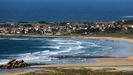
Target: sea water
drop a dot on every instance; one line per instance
(39, 50)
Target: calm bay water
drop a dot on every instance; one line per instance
(38, 50)
(64, 10)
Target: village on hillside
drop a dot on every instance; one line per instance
(66, 28)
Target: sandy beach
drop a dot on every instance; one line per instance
(120, 64)
(112, 38)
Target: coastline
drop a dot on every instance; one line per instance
(121, 64)
(122, 38)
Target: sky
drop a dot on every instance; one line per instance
(43, 9)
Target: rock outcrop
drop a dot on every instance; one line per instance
(14, 64)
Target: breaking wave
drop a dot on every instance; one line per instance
(39, 51)
(127, 16)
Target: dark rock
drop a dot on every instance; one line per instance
(12, 61)
(14, 64)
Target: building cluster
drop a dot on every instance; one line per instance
(57, 29)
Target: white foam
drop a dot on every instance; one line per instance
(42, 56)
(54, 47)
(35, 57)
(19, 39)
(4, 61)
(78, 52)
(64, 51)
(69, 43)
(93, 44)
(60, 40)
(55, 52)
(66, 43)
(2, 38)
(78, 47)
(46, 51)
(25, 54)
(35, 53)
(70, 49)
(128, 16)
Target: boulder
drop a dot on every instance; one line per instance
(12, 61)
(15, 64)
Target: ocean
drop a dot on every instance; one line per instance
(39, 50)
(65, 10)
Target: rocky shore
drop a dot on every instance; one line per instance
(15, 64)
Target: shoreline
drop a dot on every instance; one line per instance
(117, 62)
(79, 36)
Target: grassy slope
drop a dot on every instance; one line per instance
(60, 71)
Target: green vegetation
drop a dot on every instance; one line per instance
(82, 71)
